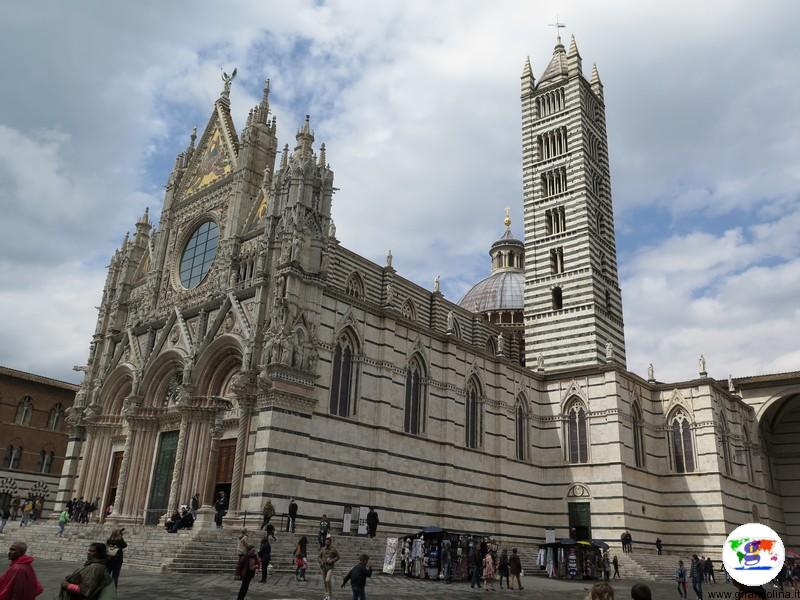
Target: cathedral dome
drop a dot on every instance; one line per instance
(503, 290)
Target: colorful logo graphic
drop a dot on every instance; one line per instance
(753, 554)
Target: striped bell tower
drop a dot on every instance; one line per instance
(573, 304)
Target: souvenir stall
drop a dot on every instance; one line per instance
(421, 553)
(568, 559)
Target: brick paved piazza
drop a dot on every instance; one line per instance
(139, 585)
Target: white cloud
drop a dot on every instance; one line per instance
(419, 105)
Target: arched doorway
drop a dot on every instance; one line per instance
(780, 426)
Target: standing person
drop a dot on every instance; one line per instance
(5, 515)
(515, 568)
(623, 539)
(709, 566)
(19, 581)
(15, 508)
(247, 566)
(265, 556)
(26, 513)
(641, 592)
(680, 577)
(328, 557)
(243, 543)
(220, 508)
(63, 517)
(92, 579)
(488, 571)
(658, 545)
(447, 562)
(290, 523)
(475, 565)
(630, 541)
(194, 505)
(372, 522)
(358, 578)
(267, 514)
(116, 545)
(300, 558)
(615, 562)
(324, 528)
(696, 575)
(606, 566)
(503, 568)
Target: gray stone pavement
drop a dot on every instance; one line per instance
(282, 586)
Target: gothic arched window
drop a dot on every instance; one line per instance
(55, 417)
(576, 424)
(637, 424)
(46, 461)
(343, 377)
(408, 311)
(355, 286)
(24, 411)
(491, 346)
(521, 423)
(14, 457)
(474, 415)
(681, 444)
(414, 415)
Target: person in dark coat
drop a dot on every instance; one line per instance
(372, 522)
(475, 561)
(265, 556)
(116, 544)
(290, 524)
(92, 580)
(358, 578)
(658, 545)
(515, 568)
(220, 508)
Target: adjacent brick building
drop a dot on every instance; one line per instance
(33, 434)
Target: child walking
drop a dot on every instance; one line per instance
(358, 578)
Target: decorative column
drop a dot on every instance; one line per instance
(177, 470)
(66, 484)
(239, 457)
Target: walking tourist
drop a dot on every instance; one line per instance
(265, 556)
(247, 567)
(5, 515)
(301, 559)
(615, 562)
(327, 560)
(515, 568)
(243, 544)
(27, 509)
(19, 581)
(696, 575)
(15, 508)
(116, 545)
(475, 563)
(290, 523)
(680, 577)
(372, 522)
(503, 569)
(447, 562)
(358, 578)
(658, 545)
(63, 517)
(92, 580)
(488, 571)
(220, 508)
(324, 528)
(194, 505)
(267, 514)
(606, 566)
(641, 592)
(601, 591)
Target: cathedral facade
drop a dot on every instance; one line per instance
(241, 347)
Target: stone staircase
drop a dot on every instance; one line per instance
(207, 551)
(657, 567)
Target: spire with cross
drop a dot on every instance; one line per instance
(558, 25)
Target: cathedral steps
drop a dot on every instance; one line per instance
(656, 567)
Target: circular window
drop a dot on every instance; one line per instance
(199, 254)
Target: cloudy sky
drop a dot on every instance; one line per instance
(418, 103)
